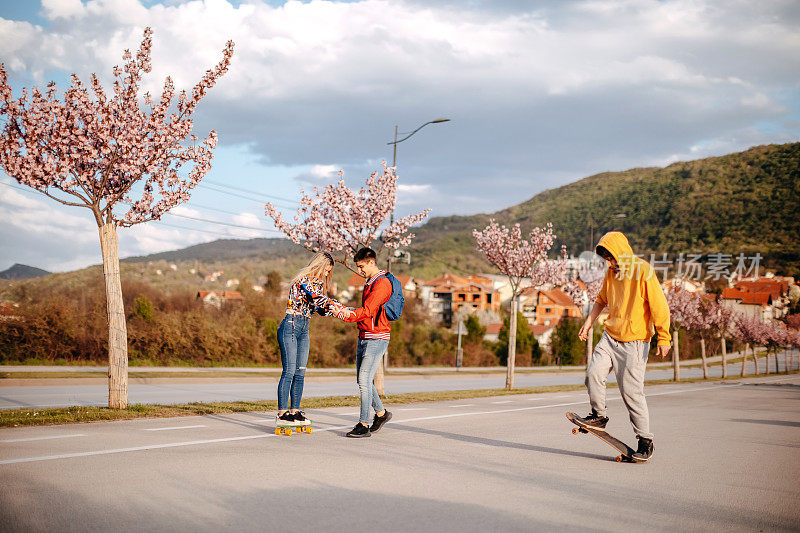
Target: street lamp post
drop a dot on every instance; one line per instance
(379, 375)
(591, 226)
(394, 164)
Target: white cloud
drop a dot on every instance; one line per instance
(319, 175)
(537, 95)
(186, 211)
(413, 189)
(55, 9)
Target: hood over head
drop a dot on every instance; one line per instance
(617, 243)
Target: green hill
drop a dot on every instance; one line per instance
(743, 202)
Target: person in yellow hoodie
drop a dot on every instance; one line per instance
(637, 309)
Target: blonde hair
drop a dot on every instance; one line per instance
(316, 270)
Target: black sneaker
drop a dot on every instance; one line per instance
(359, 431)
(300, 418)
(593, 421)
(645, 450)
(379, 421)
(286, 418)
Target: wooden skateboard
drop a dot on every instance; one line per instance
(625, 451)
(289, 429)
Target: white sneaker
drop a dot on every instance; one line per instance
(286, 419)
(300, 419)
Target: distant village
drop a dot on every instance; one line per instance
(450, 298)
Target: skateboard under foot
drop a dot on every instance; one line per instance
(625, 451)
(286, 429)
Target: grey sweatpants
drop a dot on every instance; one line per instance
(628, 360)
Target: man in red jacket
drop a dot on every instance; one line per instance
(373, 339)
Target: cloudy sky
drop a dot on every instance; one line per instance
(539, 94)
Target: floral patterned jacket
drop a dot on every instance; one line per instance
(302, 303)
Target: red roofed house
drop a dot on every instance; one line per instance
(542, 333)
(492, 332)
(763, 298)
(547, 307)
(217, 298)
(449, 293)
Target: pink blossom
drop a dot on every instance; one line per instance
(338, 219)
(519, 258)
(90, 150)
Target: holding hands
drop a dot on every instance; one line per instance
(340, 311)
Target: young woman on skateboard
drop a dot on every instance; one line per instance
(637, 309)
(307, 295)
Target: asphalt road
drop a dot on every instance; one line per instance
(183, 390)
(726, 458)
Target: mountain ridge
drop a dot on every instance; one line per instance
(744, 202)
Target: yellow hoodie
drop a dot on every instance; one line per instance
(637, 307)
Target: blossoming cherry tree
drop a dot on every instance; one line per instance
(122, 160)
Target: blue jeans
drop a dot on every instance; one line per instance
(368, 357)
(293, 341)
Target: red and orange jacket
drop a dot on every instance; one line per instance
(371, 318)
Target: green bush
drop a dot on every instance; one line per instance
(565, 345)
(143, 308)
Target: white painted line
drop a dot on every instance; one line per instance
(413, 409)
(463, 405)
(504, 401)
(29, 439)
(419, 419)
(175, 427)
(151, 447)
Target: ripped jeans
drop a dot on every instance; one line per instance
(293, 341)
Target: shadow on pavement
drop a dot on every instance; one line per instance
(196, 506)
(788, 423)
(498, 443)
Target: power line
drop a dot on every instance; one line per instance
(24, 189)
(217, 188)
(237, 195)
(257, 193)
(223, 223)
(212, 232)
(214, 209)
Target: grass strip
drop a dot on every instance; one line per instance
(343, 372)
(69, 415)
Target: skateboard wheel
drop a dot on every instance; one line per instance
(309, 429)
(575, 431)
(289, 431)
(277, 431)
(619, 458)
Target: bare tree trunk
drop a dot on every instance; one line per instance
(703, 356)
(755, 360)
(676, 366)
(744, 358)
(378, 380)
(512, 343)
(775, 356)
(724, 358)
(117, 329)
(767, 359)
(589, 347)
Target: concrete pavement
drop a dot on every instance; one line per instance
(726, 458)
